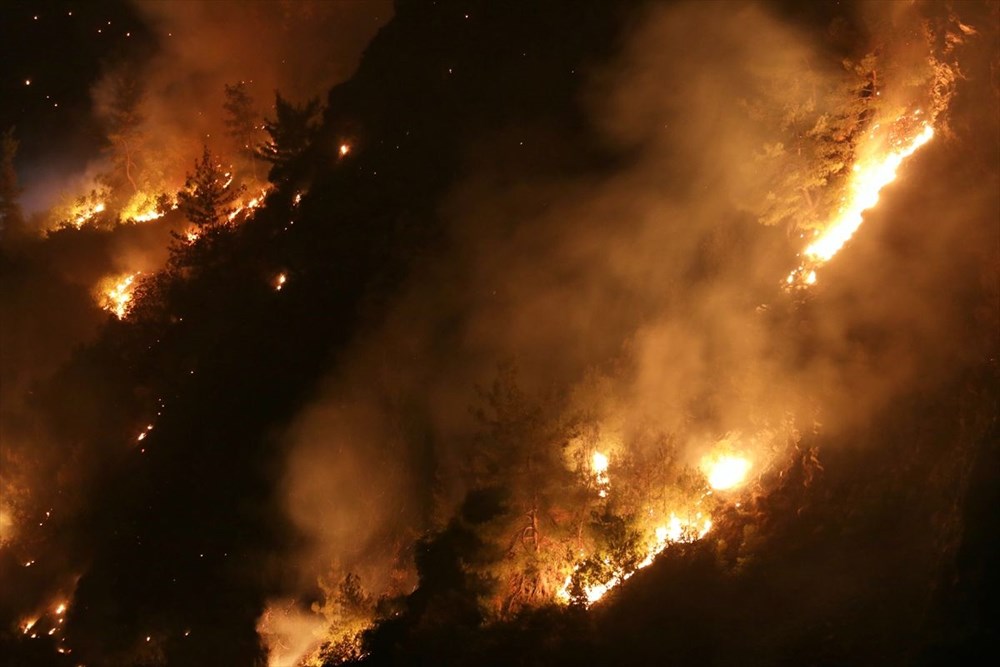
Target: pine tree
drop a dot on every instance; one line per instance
(290, 134)
(208, 195)
(815, 138)
(11, 217)
(241, 122)
(122, 113)
(520, 457)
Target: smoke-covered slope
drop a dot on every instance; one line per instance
(516, 188)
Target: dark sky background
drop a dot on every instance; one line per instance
(187, 51)
(60, 47)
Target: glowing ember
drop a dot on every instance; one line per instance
(61, 609)
(280, 281)
(116, 294)
(725, 472)
(344, 149)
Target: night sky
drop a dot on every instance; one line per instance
(59, 47)
(493, 333)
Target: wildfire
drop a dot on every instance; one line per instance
(594, 574)
(48, 622)
(249, 205)
(675, 531)
(867, 183)
(599, 464)
(726, 471)
(83, 214)
(679, 530)
(143, 207)
(868, 178)
(147, 216)
(116, 293)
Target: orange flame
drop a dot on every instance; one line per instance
(868, 178)
(115, 294)
(866, 184)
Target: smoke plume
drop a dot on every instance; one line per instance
(651, 292)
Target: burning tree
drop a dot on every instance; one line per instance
(813, 128)
(349, 610)
(209, 194)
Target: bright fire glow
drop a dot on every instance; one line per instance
(143, 207)
(83, 214)
(725, 472)
(280, 281)
(246, 207)
(146, 216)
(599, 464)
(675, 531)
(116, 293)
(344, 149)
(868, 178)
(867, 182)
